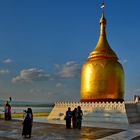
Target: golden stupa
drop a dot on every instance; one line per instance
(102, 76)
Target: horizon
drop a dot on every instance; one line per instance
(44, 44)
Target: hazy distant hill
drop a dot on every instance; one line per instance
(24, 103)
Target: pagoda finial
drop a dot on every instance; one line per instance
(103, 6)
(102, 19)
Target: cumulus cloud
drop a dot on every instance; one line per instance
(7, 61)
(3, 72)
(69, 70)
(31, 74)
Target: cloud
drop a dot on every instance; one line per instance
(71, 69)
(125, 61)
(3, 72)
(7, 61)
(30, 75)
(36, 91)
(59, 85)
(137, 90)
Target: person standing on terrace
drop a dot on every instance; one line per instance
(27, 124)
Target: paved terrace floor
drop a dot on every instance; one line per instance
(11, 130)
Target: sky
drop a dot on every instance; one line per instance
(43, 45)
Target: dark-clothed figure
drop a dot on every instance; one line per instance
(74, 118)
(27, 124)
(68, 118)
(79, 115)
(7, 111)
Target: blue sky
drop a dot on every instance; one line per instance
(43, 45)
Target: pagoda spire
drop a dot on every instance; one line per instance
(102, 49)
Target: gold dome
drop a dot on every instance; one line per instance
(102, 76)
